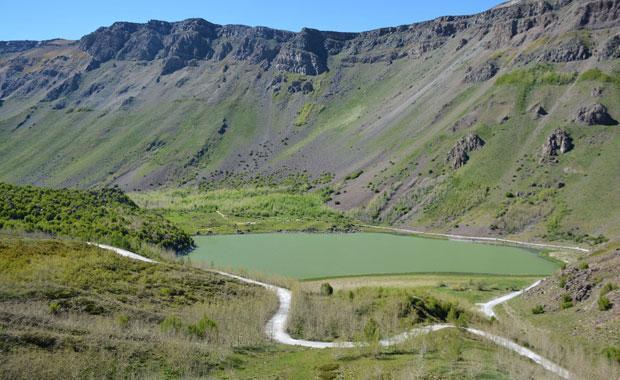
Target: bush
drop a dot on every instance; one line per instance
(598, 76)
(608, 288)
(612, 353)
(354, 175)
(326, 289)
(538, 309)
(603, 303)
(202, 328)
(122, 320)
(563, 280)
(583, 266)
(371, 330)
(171, 324)
(54, 307)
(566, 302)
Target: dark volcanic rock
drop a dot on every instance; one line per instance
(67, 87)
(172, 64)
(596, 114)
(598, 13)
(300, 86)
(568, 51)
(559, 142)
(458, 155)
(482, 72)
(537, 111)
(611, 50)
(579, 282)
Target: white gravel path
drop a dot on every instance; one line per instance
(276, 326)
(478, 238)
(487, 307)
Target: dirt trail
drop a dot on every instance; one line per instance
(481, 239)
(276, 326)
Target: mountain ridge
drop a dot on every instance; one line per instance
(160, 104)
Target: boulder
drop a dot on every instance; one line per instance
(596, 114)
(558, 142)
(459, 154)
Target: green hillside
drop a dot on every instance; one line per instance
(104, 216)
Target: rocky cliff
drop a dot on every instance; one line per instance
(193, 103)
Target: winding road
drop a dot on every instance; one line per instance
(276, 326)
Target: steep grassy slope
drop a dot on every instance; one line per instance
(106, 215)
(577, 309)
(206, 105)
(505, 187)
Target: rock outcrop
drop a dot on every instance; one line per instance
(611, 50)
(596, 114)
(481, 73)
(537, 111)
(568, 51)
(459, 154)
(558, 142)
(465, 122)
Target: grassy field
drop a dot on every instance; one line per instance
(445, 355)
(264, 209)
(307, 256)
(464, 289)
(71, 310)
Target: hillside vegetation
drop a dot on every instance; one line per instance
(69, 310)
(448, 125)
(249, 209)
(105, 215)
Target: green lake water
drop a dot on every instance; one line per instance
(305, 256)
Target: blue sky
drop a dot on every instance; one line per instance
(38, 19)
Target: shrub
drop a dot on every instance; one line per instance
(202, 328)
(563, 280)
(171, 324)
(583, 266)
(122, 320)
(608, 288)
(54, 307)
(603, 303)
(597, 75)
(538, 309)
(566, 302)
(354, 175)
(612, 353)
(326, 289)
(371, 330)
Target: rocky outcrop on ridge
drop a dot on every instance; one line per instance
(458, 155)
(595, 114)
(558, 142)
